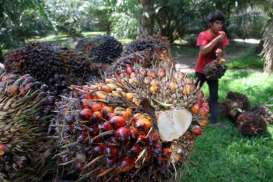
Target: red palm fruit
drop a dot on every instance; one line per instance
(96, 106)
(129, 69)
(106, 89)
(3, 149)
(118, 121)
(126, 164)
(86, 114)
(122, 135)
(111, 152)
(161, 72)
(196, 130)
(106, 126)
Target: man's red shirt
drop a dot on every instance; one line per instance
(203, 39)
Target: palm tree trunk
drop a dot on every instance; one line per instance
(146, 18)
(267, 51)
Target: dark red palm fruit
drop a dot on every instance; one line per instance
(110, 162)
(96, 117)
(99, 149)
(86, 114)
(126, 165)
(106, 110)
(135, 150)
(196, 130)
(157, 150)
(167, 152)
(143, 124)
(154, 138)
(141, 140)
(134, 133)
(94, 130)
(162, 160)
(111, 152)
(122, 135)
(78, 165)
(106, 126)
(117, 121)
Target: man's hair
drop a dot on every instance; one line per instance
(216, 15)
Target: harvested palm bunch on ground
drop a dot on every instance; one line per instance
(52, 65)
(101, 49)
(147, 58)
(147, 42)
(25, 113)
(264, 112)
(251, 124)
(138, 125)
(234, 104)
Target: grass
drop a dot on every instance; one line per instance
(223, 154)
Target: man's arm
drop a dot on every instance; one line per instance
(207, 48)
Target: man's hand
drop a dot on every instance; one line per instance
(221, 37)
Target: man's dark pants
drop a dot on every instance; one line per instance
(213, 95)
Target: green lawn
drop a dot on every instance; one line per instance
(223, 154)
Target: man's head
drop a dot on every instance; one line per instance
(216, 20)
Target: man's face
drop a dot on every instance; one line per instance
(217, 26)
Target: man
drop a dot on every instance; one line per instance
(211, 41)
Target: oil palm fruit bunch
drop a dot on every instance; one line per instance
(25, 112)
(147, 42)
(251, 124)
(138, 124)
(235, 103)
(52, 65)
(101, 49)
(147, 58)
(215, 69)
(264, 112)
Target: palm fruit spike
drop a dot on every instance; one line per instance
(113, 128)
(101, 49)
(146, 43)
(55, 66)
(25, 110)
(264, 112)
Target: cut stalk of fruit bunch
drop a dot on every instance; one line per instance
(137, 129)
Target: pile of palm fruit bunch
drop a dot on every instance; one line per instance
(55, 66)
(215, 69)
(147, 42)
(138, 124)
(250, 122)
(101, 49)
(25, 113)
